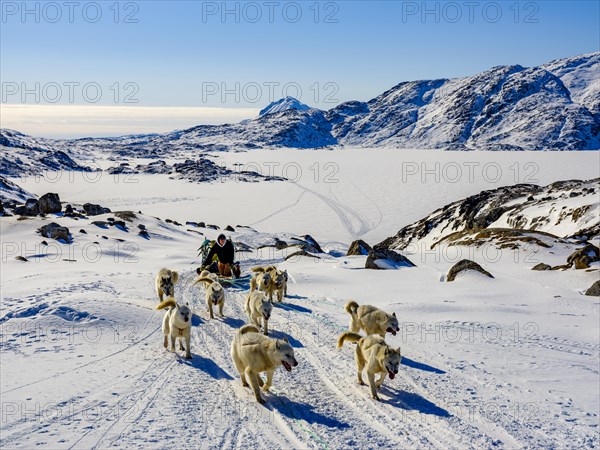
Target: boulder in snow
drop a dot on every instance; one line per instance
(594, 289)
(464, 265)
(359, 247)
(55, 231)
(92, 209)
(49, 203)
(386, 259)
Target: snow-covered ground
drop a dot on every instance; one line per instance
(339, 195)
(509, 362)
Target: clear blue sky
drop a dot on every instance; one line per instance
(175, 47)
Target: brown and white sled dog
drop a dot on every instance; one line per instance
(376, 356)
(215, 295)
(261, 280)
(177, 324)
(253, 353)
(165, 283)
(372, 320)
(276, 282)
(258, 308)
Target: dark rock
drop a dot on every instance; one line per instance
(144, 234)
(21, 258)
(280, 245)
(301, 253)
(55, 231)
(82, 231)
(100, 223)
(359, 247)
(229, 228)
(44, 243)
(386, 259)
(541, 266)
(141, 226)
(594, 289)
(49, 203)
(128, 216)
(464, 265)
(212, 227)
(111, 219)
(68, 210)
(92, 209)
(201, 225)
(583, 257)
(120, 224)
(29, 209)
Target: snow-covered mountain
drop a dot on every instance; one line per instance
(283, 105)
(565, 209)
(552, 107)
(22, 155)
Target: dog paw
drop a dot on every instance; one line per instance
(188, 356)
(261, 401)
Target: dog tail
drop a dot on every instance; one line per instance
(248, 329)
(270, 268)
(351, 307)
(258, 269)
(168, 303)
(253, 284)
(174, 276)
(205, 280)
(348, 336)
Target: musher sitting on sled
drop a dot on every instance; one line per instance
(224, 251)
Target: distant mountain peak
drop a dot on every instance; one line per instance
(284, 104)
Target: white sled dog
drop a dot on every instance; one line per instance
(261, 280)
(207, 274)
(373, 353)
(277, 281)
(177, 324)
(372, 320)
(215, 295)
(258, 308)
(253, 353)
(165, 283)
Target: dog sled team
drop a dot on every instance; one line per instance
(252, 350)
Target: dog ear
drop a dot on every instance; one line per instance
(187, 303)
(277, 345)
(286, 339)
(394, 314)
(398, 351)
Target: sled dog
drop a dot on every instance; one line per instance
(177, 324)
(276, 282)
(165, 283)
(371, 319)
(261, 280)
(253, 353)
(215, 295)
(258, 308)
(375, 355)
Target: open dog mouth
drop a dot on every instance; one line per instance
(266, 316)
(287, 366)
(391, 330)
(392, 373)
